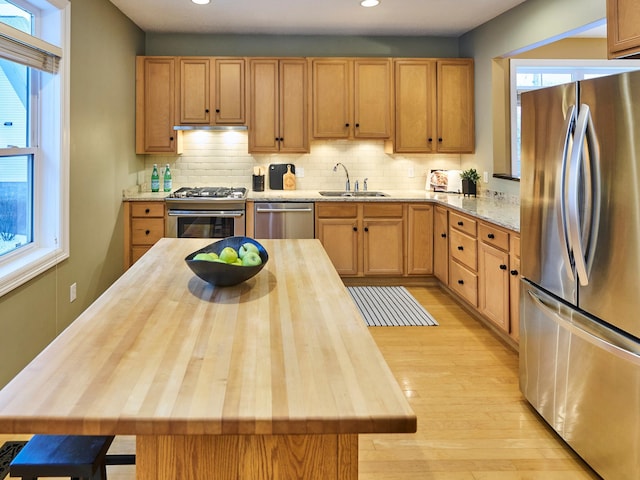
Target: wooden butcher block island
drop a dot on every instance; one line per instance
(270, 379)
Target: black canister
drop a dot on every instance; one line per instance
(258, 183)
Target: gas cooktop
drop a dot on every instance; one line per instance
(210, 193)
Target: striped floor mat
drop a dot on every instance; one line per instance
(390, 307)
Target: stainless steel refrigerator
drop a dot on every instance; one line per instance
(580, 231)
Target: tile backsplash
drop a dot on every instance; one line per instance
(221, 158)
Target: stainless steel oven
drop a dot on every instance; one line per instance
(206, 212)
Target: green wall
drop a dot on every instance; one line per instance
(104, 44)
(532, 23)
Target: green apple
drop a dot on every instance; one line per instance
(251, 259)
(228, 254)
(238, 262)
(207, 256)
(246, 248)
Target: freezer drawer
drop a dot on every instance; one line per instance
(584, 379)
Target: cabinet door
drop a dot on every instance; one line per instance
(415, 100)
(155, 100)
(420, 239)
(493, 285)
(263, 106)
(383, 246)
(514, 298)
(229, 90)
(441, 245)
(623, 27)
(339, 237)
(194, 91)
(372, 98)
(294, 115)
(332, 102)
(455, 117)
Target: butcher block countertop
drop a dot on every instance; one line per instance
(163, 353)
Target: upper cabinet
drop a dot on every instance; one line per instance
(155, 105)
(277, 106)
(351, 98)
(623, 28)
(212, 91)
(434, 106)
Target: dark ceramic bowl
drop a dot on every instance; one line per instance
(222, 274)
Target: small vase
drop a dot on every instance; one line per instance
(468, 188)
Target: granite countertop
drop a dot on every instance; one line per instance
(500, 212)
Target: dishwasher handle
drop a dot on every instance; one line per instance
(283, 210)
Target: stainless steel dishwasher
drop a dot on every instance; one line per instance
(284, 220)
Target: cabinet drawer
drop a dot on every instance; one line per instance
(464, 224)
(146, 231)
(464, 282)
(463, 248)
(386, 210)
(147, 209)
(514, 249)
(493, 236)
(336, 210)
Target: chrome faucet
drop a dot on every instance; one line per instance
(348, 184)
(364, 186)
(356, 187)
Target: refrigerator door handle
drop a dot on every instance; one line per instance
(600, 337)
(573, 223)
(564, 192)
(593, 182)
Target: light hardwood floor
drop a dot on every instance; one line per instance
(473, 423)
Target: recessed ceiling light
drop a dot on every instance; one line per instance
(201, 2)
(369, 3)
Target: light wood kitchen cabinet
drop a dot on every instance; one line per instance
(351, 98)
(434, 106)
(419, 239)
(623, 28)
(212, 91)
(278, 113)
(514, 287)
(155, 106)
(463, 257)
(362, 239)
(337, 229)
(441, 244)
(493, 285)
(143, 227)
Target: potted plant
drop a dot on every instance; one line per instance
(470, 178)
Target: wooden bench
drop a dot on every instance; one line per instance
(80, 457)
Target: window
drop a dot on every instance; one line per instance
(533, 74)
(33, 142)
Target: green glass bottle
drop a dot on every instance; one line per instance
(167, 179)
(155, 179)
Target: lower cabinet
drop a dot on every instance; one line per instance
(363, 238)
(441, 244)
(420, 239)
(143, 227)
(514, 286)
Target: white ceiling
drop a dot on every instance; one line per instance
(442, 18)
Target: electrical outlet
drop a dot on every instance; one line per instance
(72, 292)
(300, 172)
(485, 177)
(412, 172)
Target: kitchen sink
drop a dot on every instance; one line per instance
(332, 193)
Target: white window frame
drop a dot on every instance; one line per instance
(577, 67)
(50, 244)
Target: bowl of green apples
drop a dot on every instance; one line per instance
(229, 261)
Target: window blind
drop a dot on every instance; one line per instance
(25, 49)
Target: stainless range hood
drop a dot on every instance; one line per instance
(219, 128)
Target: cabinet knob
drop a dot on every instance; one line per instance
(355, 229)
(503, 267)
(217, 110)
(443, 235)
(281, 139)
(491, 235)
(366, 229)
(147, 232)
(357, 125)
(171, 138)
(206, 110)
(146, 210)
(460, 247)
(346, 125)
(461, 223)
(430, 139)
(514, 272)
(440, 140)
(461, 282)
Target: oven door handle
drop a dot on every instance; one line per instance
(206, 213)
